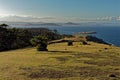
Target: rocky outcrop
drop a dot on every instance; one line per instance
(95, 39)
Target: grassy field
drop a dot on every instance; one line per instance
(62, 62)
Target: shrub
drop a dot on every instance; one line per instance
(70, 43)
(84, 43)
(40, 43)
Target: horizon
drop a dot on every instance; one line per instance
(76, 11)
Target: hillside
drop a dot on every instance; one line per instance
(62, 62)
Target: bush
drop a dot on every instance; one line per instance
(70, 43)
(40, 43)
(41, 48)
(84, 43)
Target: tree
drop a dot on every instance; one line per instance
(3, 37)
(12, 38)
(21, 38)
(4, 25)
(40, 43)
(55, 31)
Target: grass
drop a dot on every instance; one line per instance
(62, 62)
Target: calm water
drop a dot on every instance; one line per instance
(108, 34)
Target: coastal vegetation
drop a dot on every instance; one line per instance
(15, 38)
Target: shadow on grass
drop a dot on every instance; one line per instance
(63, 59)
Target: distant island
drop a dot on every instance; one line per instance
(42, 24)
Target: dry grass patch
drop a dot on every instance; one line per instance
(46, 73)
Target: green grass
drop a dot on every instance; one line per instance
(62, 62)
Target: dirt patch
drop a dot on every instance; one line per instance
(96, 72)
(71, 71)
(63, 59)
(89, 55)
(100, 59)
(91, 72)
(110, 59)
(48, 73)
(104, 63)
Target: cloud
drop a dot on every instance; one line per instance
(24, 18)
(29, 18)
(109, 18)
(106, 18)
(118, 18)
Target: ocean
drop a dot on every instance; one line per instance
(108, 34)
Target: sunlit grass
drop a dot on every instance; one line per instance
(61, 62)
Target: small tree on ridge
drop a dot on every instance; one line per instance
(40, 43)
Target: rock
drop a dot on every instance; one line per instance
(84, 43)
(105, 48)
(112, 75)
(95, 39)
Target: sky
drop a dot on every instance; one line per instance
(59, 10)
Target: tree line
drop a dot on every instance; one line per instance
(15, 38)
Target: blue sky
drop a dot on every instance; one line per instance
(64, 10)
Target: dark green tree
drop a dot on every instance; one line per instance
(3, 37)
(21, 38)
(55, 31)
(40, 43)
(12, 38)
(4, 25)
